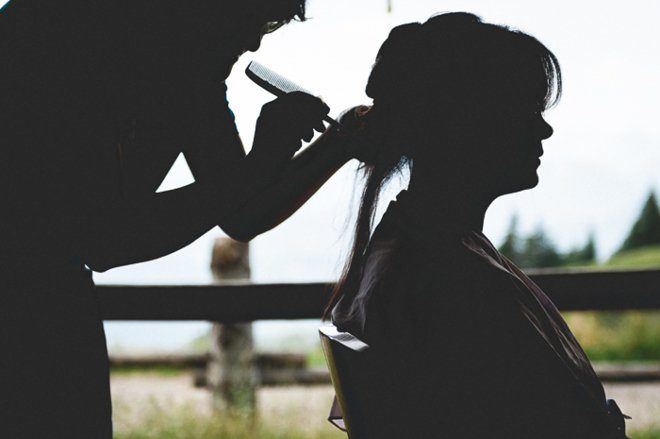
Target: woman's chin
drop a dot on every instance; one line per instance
(532, 181)
(530, 178)
(524, 182)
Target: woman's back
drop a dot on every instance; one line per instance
(476, 352)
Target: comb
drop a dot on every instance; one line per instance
(277, 84)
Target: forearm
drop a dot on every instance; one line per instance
(267, 202)
(148, 228)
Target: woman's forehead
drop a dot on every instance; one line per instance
(525, 83)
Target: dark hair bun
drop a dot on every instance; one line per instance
(406, 49)
(393, 59)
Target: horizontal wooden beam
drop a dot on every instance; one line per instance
(263, 360)
(627, 371)
(244, 301)
(174, 360)
(591, 290)
(286, 369)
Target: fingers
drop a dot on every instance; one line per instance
(288, 119)
(320, 127)
(303, 110)
(308, 135)
(298, 101)
(312, 103)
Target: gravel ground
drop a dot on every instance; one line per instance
(307, 406)
(134, 395)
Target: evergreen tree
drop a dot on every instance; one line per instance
(511, 245)
(646, 230)
(539, 252)
(588, 253)
(582, 255)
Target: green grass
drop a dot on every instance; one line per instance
(644, 257)
(617, 336)
(645, 434)
(185, 423)
(621, 336)
(315, 357)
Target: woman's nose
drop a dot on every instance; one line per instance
(544, 128)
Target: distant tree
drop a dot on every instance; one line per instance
(511, 245)
(646, 230)
(582, 255)
(539, 252)
(588, 253)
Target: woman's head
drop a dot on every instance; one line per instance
(460, 94)
(460, 102)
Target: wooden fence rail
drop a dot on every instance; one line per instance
(288, 369)
(231, 373)
(245, 301)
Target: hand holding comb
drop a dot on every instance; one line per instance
(277, 84)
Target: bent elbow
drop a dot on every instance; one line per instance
(238, 231)
(99, 263)
(96, 266)
(240, 236)
(102, 258)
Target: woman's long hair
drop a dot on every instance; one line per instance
(451, 61)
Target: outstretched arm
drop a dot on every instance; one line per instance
(277, 188)
(231, 189)
(152, 227)
(277, 185)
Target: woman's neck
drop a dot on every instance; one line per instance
(450, 203)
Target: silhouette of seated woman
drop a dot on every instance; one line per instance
(469, 346)
(98, 100)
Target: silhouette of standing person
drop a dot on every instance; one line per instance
(464, 344)
(98, 100)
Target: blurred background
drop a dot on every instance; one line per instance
(594, 206)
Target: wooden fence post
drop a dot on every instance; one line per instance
(231, 372)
